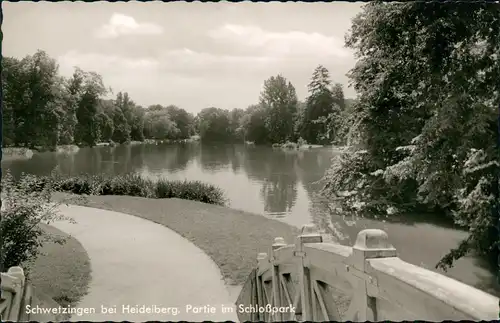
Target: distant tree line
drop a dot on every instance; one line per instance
(44, 109)
(279, 116)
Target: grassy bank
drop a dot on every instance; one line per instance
(132, 185)
(230, 237)
(62, 271)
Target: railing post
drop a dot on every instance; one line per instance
(261, 259)
(309, 234)
(370, 243)
(277, 294)
(15, 307)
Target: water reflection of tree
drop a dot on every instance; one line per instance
(214, 157)
(39, 164)
(107, 160)
(311, 167)
(238, 157)
(275, 170)
(171, 158)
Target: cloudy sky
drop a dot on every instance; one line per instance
(193, 55)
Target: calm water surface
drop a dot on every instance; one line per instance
(279, 184)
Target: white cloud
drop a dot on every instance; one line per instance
(279, 44)
(120, 24)
(104, 64)
(179, 61)
(186, 60)
(172, 77)
(223, 80)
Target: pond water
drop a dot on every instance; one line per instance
(276, 183)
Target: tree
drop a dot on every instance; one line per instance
(32, 100)
(279, 98)
(349, 123)
(428, 81)
(214, 125)
(300, 118)
(236, 130)
(183, 121)
(253, 124)
(105, 123)
(322, 108)
(157, 125)
(318, 104)
(121, 131)
(23, 210)
(69, 105)
(43, 110)
(137, 123)
(338, 96)
(14, 87)
(87, 87)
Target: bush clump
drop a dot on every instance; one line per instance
(26, 204)
(194, 190)
(132, 185)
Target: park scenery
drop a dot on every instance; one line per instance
(250, 161)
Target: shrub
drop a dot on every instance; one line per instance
(25, 204)
(131, 185)
(196, 191)
(75, 185)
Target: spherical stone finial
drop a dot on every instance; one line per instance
(279, 240)
(15, 270)
(373, 239)
(278, 243)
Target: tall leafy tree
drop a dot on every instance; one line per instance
(183, 121)
(32, 98)
(235, 128)
(253, 125)
(105, 123)
(158, 125)
(88, 87)
(14, 100)
(428, 76)
(69, 120)
(214, 125)
(322, 109)
(279, 98)
(137, 123)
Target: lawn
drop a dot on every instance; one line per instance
(230, 237)
(61, 272)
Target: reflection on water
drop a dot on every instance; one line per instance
(256, 179)
(280, 184)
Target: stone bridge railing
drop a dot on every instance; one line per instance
(316, 281)
(19, 298)
(16, 294)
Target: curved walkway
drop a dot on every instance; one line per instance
(137, 263)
